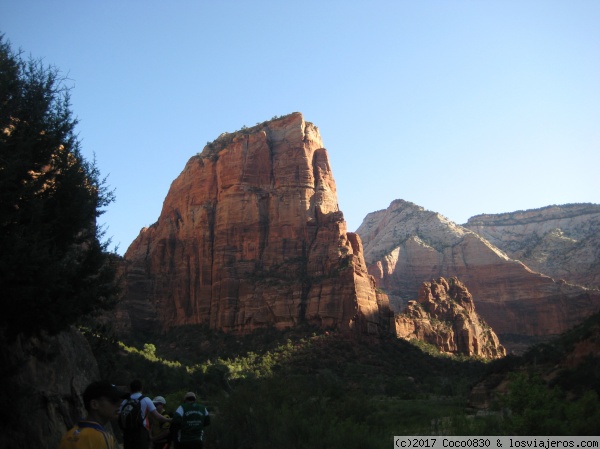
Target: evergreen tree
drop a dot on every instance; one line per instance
(54, 267)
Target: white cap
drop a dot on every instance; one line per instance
(189, 395)
(159, 400)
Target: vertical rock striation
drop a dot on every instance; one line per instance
(250, 235)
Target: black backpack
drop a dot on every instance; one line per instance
(130, 416)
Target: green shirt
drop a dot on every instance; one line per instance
(189, 421)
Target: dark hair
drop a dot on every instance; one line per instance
(135, 385)
(100, 389)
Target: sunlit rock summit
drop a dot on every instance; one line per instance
(250, 235)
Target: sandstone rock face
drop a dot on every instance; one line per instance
(562, 242)
(444, 316)
(43, 380)
(250, 235)
(406, 245)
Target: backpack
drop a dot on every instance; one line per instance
(130, 416)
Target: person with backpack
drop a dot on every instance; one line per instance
(134, 418)
(189, 420)
(101, 400)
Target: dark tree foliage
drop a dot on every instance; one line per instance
(54, 267)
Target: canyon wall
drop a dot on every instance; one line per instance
(249, 236)
(562, 242)
(42, 382)
(406, 245)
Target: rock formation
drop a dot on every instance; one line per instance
(562, 242)
(444, 316)
(42, 383)
(250, 235)
(406, 245)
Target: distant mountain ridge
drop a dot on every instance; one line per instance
(406, 245)
(560, 241)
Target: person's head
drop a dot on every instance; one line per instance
(102, 400)
(135, 386)
(159, 403)
(190, 396)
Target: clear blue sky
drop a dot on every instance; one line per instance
(462, 107)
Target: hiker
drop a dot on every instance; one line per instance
(159, 432)
(101, 400)
(136, 425)
(188, 424)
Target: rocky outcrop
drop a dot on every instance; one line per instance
(406, 245)
(43, 379)
(249, 236)
(562, 242)
(444, 316)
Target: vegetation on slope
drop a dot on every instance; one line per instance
(299, 388)
(308, 388)
(554, 388)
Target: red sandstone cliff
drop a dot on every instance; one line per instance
(444, 316)
(250, 235)
(406, 245)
